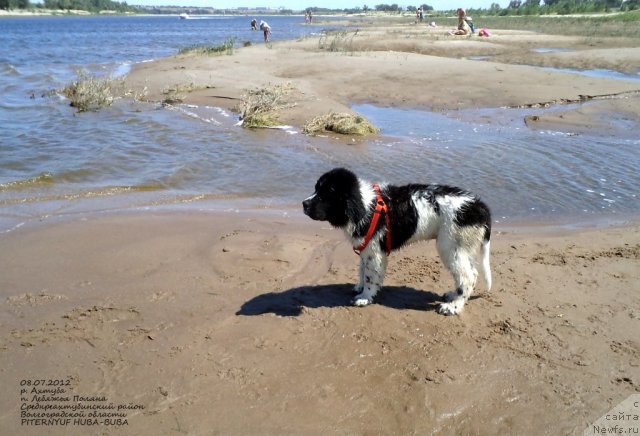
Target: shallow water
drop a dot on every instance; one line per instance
(597, 72)
(550, 50)
(520, 172)
(54, 162)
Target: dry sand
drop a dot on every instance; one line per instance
(226, 323)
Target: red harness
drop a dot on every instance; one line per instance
(381, 208)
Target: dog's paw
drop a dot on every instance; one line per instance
(452, 308)
(361, 300)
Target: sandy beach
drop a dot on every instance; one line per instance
(233, 324)
(239, 323)
(411, 66)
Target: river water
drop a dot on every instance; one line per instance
(55, 162)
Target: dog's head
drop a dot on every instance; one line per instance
(336, 197)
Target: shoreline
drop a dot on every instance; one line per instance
(255, 208)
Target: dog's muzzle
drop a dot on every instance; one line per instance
(306, 207)
(311, 209)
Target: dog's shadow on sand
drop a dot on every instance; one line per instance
(291, 302)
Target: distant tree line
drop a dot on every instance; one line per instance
(516, 7)
(424, 7)
(519, 7)
(14, 4)
(395, 8)
(193, 10)
(380, 8)
(89, 5)
(558, 7)
(82, 5)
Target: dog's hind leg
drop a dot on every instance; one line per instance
(373, 267)
(485, 264)
(458, 262)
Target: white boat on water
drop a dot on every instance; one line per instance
(183, 16)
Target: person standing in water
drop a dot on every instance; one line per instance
(266, 30)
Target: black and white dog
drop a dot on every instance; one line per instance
(380, 218)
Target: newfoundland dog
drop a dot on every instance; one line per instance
(378, 219)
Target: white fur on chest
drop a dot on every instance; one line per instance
(368, 197)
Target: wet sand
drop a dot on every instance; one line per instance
(241, 324)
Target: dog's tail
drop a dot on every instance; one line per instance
(485, 267)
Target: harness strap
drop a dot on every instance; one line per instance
(381, 209)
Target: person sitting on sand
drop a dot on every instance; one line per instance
(254, 24)
(463, 26)
(265, 29)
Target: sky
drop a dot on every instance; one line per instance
(332, 4)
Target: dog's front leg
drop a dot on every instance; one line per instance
(373, 263)
(358, 288)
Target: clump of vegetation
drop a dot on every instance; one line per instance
(225, 48)
(91, 93)
(258, 107)
(137, 94)
(338, 41)
(94, 6)
(343, 123)
(176, 94)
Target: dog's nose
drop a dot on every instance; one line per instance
(305, 205)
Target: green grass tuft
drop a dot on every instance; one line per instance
(208, 50)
